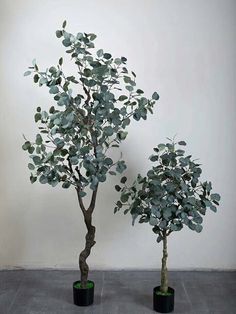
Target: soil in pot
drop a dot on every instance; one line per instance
(83, 296)
(163, 303)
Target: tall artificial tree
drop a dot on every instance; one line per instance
(91, 113)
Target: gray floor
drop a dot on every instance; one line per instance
(123, 292)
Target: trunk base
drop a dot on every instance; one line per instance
(163, 303)
(83, 296)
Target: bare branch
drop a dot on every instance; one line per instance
(81, 203)
(93, 200)
(72, 171)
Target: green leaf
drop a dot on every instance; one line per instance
(87, 72)
(52, 109)
(159, 239)
(108, 161)
(27, 73)
(161, 146)
(182, 143)
(36, 160)
(66, 185)
(173, 227)
(139, 91)
(108, 130)
(37, 117)
(127, 79)
(74, 160)
(26, 145)
(163, 224)
(54, 90)
(53, 70)
(167, 214)
(31, 149)
(107, 56)
(60, 61)
(33, 179)
(207, 203)
(122, 98)
(126, 122)
(126, 211)
(154, 158)
(31, 166)
(101, 177)
(137, 116)
(123, 180)
(39, 139)
(36, 78)
(82, 193)
(215, 197)
(213, 208)
(122, 135)
(42, 80)
(198, 228)
(64, 24)
(79, 36)
(117, 61)
(92, 36)
(113, 173)
(153, 221)
(121, 166)
(43, 179)
(66, 42)
(119, 204)
(117, 187)
(155, 96)
(59, 33)
(100, 53)
(129, 88)
(59, 142)
(124, 198)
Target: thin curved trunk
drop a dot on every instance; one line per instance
(164, 272)
(89, 238)
(90, 242)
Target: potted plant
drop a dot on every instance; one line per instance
(76, 135)
(168, 197)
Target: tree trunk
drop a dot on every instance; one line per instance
(90, 242)
(164, 274)
(89, 238)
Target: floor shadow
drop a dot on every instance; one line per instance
(145, 300)
(97, 299)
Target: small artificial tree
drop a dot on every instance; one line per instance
(168, 197)
(75, 137)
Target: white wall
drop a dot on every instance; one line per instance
(186, 51)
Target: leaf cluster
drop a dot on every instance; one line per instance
(171, 194)
(90, 115)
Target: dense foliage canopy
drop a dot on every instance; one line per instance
(89, 118)
(171, 194)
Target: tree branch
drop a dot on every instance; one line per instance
(87, 94)
(78, 188)
(72, 172)
(81, 203)
(93, 200)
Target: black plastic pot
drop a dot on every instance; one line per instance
(83, 297)
(163, 303)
